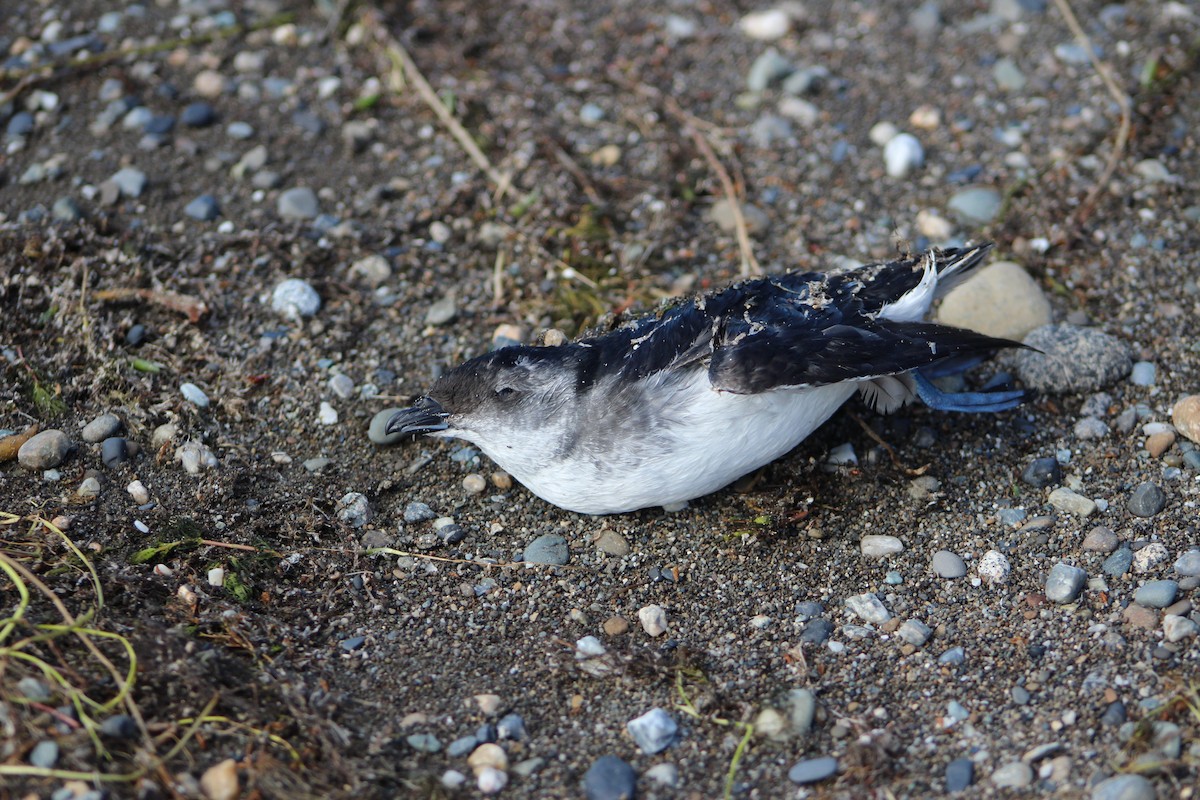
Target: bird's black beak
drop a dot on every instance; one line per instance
(424, 416)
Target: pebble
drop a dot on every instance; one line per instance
(462, 746)
(1064, 583)
(1014, 775)
(354, 509)
(239, 130)
(1177, 628)
(612, 543)
(664, 775)
(960, 773)
(1042, 472)
(326, 414)
(1188, 564)
(65, 209)
(868, 607)
(975, 206)
(549, 548)
(1147, 500)
(1156, 594)
(609, 778)
(1185, 416)
(1072, 359)
(615, 626)
(209, 83)
(1124, 787)
(113, 451)
(44, 450)
(994, 567)
(817, 631)
(653, 731)
(1072, 502)
(220, 781)
(89, 487)
(131, 182)
(880, 546)
(934, 226)
(1071, 53)
(1001, 299)
(1149, 557)
(418, 512)
(488, 754)
(813, 770)
(722, 214)
(770, 128)
(298, 203)
(377, 430)
(946, 564)
(1100, 540)
(194, 455)
(44, 754)
(1114, 715)
(902, 154)
(926, 19)
(490, 780)
(653, 619)
(1090, 428)
(804, 81)
(443, 311)
(767, 25)
(295, 298)
(1118, 563)
(194, 395)
(101, 428)
(120, 726)
(1159, 443)
(1008, 75)
(882, 132)
(914, 632)
(768, 68)
(198, 115)
(204, 208)
(474, 483)
(138, 491)
(1142, 374)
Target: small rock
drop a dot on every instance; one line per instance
(664, 775)
(612, 543)
(1118, 563)
(295, 298)
(194, 395)
(813, 770)
(902, 154)
(298, 203)
(975, 206)
(1185, 416)
(1042, 472)
(204, 208)
(138, 491)
(1100, 540)
(948, 565)
(1090, 428)
(1147, 500)
(1156, 594)
(377, 430)
(474, 483)
(374, 270)
(1177, 628)
(1008, 75)
(113, 451)
(1142, 374)
(488, 754)
(609, 778)
(615, 626)
(220, 781)
(868, 608)
(654, 731)
(326, 414)
(767, 25)
(44, 754)
(1159, 443)
(194, 456)
(768, 68)
(1072, 502)
(88, 488)
(490, 780)
(549, 548)
(1124, 787)
(934, 226)
(198, 115)
(1188, 564)
(1064, 583)
(1014, 775)
(418, 512)
(722, 214)
(960, 773)
(101, 428)
(1071, 359)
(120, 726)
(999, 300)
(955, 655)
(880, 546)
(994, 567)
(1149, 557)
(44, 450)
(131, 182)
(443, 311)
(354, 509)
(882, 132)
(654, 619)
(914, 632)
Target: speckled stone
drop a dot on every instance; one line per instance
(1070, 359)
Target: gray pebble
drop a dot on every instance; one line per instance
(1124, 787)
(812, 770)
(1156, 594)
(239, 130)
(948, 565)
(377, 430)
(915, 632)
(295, 298)
(809, 609)
(805, 80)
(131, 182)
(1064, 583)
(423, 742)
(19, 125)
(766, 69)
(194, 395)
(960, 773)
(549, 548)
(1142, 374)
(418, 512)
(101, 428)
(868, 608)
(1020, 695)
(1100, 540)
(354, 509)
(817, 631)
(1071, 53)
(926, 20)
(802, 705)
(114, 451)
(1043, 472)
(298, 203)
(609, 778)
(511, 726)
(653, 731)
(1118, 563)
(1146, 500)
(1072, 359)
(1008, 75)
(65, 209)
(975, 206)
(342, 385)
(44, 450)
(462, 746)
(1014, 775)
(120, 726)
(442, 311)
(198, 115)
(33, 689)
(1189, 563)
(44, 754)
(204, 208)
(353, 643)
(1114, 715)
(1090, 428)
(1072, 502)
(955, 655)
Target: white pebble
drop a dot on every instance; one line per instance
(882, 133)
(994, 567)
(474, 483)
(216, 576)
(765, 26)
(295, 298)
(902, 154)
(880, 546)
(163, 570)
(89, 487)
(1150, 557)
(141, 526)
(138, 491)
(491, 780)
(327, 415)
(933, 225)
(194, 394)
(654, 619)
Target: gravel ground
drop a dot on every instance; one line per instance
(246, 242)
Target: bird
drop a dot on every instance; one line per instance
(678, 404)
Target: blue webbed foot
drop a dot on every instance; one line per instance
(971, 402)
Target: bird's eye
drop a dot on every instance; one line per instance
(506, 393)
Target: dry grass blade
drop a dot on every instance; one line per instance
(190, 307)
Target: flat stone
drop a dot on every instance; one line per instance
(960, 773)
(1188, 564)
(1100, 540)
(549, 548)
(653, 731)
(975, 206)
(1124, 787)
(1072, 502)
(298, 203)
(612, 543)
(1042, 472)
(1156, 594)
(1000, 300)
(44, 450)
(880, 546)
(101, 428)
(131, 182)
(609, 778)
(813, 770)
(1014, 775)
(1139, 616)
(1146, 500)
(44, 754)
(1118, 563)
(204, 208)
(868, 608)
(1069, 359)
(722, 214)
(1064, 583)
(914, 632)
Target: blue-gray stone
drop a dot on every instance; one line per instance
(198, 115)
(653, 731)
(1188, 564)
(960, 773)
(462, 746)
(299, 202)
(66, 47)
(549, 548)
(1114, 715)
(1064, 583)
(113, 451)
(423, 742)
(808, 609)
(609, 778)
(817, 631)
(1146, 500)
(948, 565)
(44, 754)
(1192, 459)
(590, 113)
(975, 206)
(309, 122)
(65, 209)
(1020, 695)
(158, 124)
(352, 644)
(486, 733)
(203, 208)
(32, 689)
(511, 726)
(101, 428)
(418, 512)
(239, 130)
(194, 394)
(955, 655)
(1071, 53)
(812, 770)
(130, 181)
(1142, 374)
(1124, 787)
(1071, 359)
(766, 69)
(1118, 563)
(1156, 594)
(119, 726)
(19, 125)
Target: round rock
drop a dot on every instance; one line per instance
(1014, 775)
(1042, 472)
(549, 548)
(999, 300)
(101, 428)
(1146, 500)
(948, 565)
(1156, 594)
(994, 567)
(44, 450)
(1071, 359)
(113, 451)
(1100, 540)
(298, 203)
(975, 206)
(653, 731)
(1124, 787)
(609, 778)
(880, 546)
(295, 298)
(377, 430)
(1186, 417)
(812, 770)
